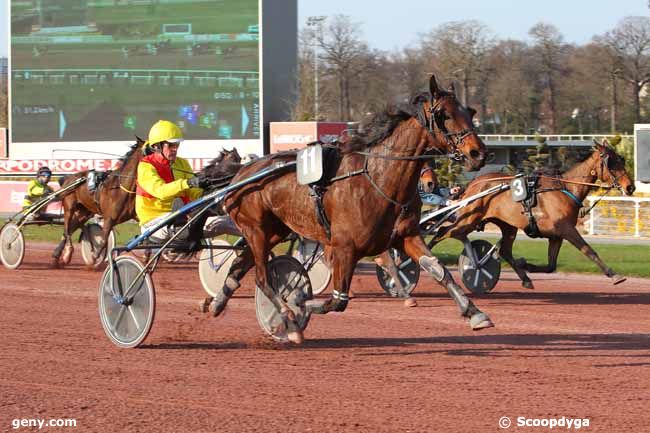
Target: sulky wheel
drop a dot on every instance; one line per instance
(91, 238)
(127, 302)
(12, 246)
(288, 277)
(482, 278)
(311, 255)
(407, 269)
(214, 266)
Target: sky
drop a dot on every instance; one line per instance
(389, 25)
(395, 24)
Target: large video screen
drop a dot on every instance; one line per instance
(104, 70)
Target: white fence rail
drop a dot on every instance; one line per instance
(619, 216)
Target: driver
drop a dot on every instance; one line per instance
(163, 177)
(37, 189)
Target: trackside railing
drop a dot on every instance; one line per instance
(618, 216)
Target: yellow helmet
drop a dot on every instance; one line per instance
(164, 130)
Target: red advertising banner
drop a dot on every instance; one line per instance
(68, 166)
(12, 195)
(296, 135)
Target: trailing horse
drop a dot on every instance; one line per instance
(371, 202)
(554, 215)
(113, 199)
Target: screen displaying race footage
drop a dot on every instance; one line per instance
(105, 70)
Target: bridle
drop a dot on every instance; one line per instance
(604, 166)
(453, 139)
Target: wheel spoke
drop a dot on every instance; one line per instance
(476, 275)
(487, 274)
(117, 320)
(135, 319)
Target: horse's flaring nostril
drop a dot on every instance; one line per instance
(474, 153)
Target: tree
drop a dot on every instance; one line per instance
(448, 172)
(630, 41)
(459, 49)
(549, 51)
(511, 92)
(345, 56)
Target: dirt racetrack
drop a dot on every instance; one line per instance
(576, 347)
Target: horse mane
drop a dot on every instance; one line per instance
(381, 125)
(123, 159)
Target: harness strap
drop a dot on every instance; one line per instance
(127, 190)
(573, 197)
(316, 193)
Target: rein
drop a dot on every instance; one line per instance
(559, 179)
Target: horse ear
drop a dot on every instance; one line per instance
(605, 143)
(139, 140)
(596, 145)
(433, 87)
(452, 88)
(472, 112)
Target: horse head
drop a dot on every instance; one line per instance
(428, 179)
(451, 123)
(230, 155)
(611, 168)
(222, 168)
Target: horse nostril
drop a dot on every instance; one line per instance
(631, 189)
(474, 153)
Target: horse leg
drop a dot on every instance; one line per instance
(240, 266)
(99, 253)
(69, 222)
(572, 235)
(388, 265)
(554, 245)
(260, 246)
(417, 250)
(343, 262)
(508, 236)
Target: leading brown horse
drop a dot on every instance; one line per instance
(559, 199)
(374, 203)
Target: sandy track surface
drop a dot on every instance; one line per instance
(576, 347)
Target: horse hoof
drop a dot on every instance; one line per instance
(527, 285)
(618, 279)
(55, 263)
(204, 305)
(295, 337)
(216, 307)
(480, 321)
(410, 302)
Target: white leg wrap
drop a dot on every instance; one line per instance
(433, 266)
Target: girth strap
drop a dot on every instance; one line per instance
(316, 192)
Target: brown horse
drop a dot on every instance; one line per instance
(114, 200)
(372, 205)
(428, 179)
(559, 199)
